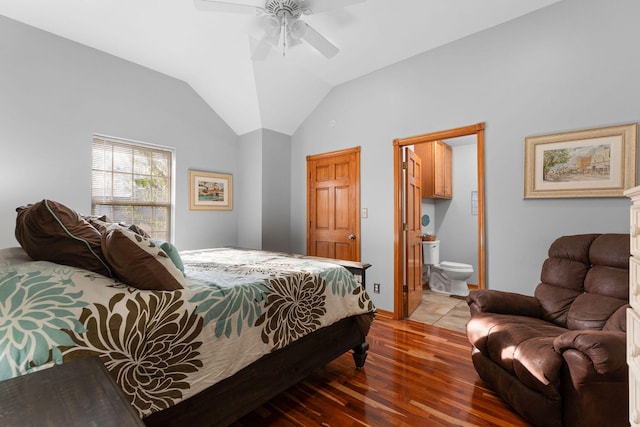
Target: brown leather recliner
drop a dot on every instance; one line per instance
(558, 358)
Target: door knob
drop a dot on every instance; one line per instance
(352, 237)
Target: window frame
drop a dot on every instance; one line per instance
(129, 143)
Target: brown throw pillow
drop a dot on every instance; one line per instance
(139, 262)
(102, 223)
(50, 231)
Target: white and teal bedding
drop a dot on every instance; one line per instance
(165, 346)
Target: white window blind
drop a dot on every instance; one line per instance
(131, 183)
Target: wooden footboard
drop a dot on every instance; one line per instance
(269, 376)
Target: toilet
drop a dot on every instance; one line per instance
(445, 277)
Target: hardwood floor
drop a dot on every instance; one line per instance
(415, 375)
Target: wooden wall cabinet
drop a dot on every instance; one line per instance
(436, 169)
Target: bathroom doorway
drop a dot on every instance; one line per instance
(402, 265)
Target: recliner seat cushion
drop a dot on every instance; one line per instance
(535, 407)
(522, 346)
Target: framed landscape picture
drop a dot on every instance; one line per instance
(587, 163)
(210, 191)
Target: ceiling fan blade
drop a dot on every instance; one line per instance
(228, 7)
(318, 42)
(318, 6)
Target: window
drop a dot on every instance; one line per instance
(131, 183)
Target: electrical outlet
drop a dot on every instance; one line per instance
(376, 288)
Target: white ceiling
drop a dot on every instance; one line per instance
(211, 50)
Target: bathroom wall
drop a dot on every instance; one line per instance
(452, 220)
(429, 208)
(456, 226)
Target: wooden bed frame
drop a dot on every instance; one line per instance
(230, 399)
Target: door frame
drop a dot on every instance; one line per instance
(399, 238)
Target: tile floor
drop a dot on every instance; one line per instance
(442, 310)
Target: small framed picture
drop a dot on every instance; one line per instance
(587, 163)
(209, 191)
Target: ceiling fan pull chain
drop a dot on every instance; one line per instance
(284, 35)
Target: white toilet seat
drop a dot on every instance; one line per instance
(455, 266)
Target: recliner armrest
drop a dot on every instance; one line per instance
(605, 349)
(500, 302)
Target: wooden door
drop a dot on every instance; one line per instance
(413, 210)
(333, 205)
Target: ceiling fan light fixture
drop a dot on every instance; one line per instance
(272, 27)
(297, 29)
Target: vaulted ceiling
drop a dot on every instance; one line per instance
(211, 50)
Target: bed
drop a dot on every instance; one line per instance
(243, 325)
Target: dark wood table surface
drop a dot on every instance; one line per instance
(78, 393)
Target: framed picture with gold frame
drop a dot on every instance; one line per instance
(586, 163)
(209, 191)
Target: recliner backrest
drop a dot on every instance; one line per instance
(584, 280)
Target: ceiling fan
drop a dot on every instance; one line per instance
(281, 22)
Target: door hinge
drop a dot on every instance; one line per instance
(405, 288)
(405, 165)
(405, 227)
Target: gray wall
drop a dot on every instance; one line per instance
(264, 197)
(248, 191)
(55, 94)
(573, 65)
(276, 196)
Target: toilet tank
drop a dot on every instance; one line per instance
(431, 252)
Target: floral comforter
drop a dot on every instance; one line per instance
(163, 347)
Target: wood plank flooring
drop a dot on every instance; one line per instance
(415, 375)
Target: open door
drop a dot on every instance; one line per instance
(413, 213)
(333, 205)
(401, 235)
